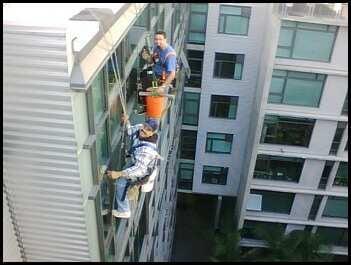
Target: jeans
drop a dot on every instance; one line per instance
(120, 201)
(105, 198)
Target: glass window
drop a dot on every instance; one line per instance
(287, 130)
(195, 59)
(219, 143)
(342, 176)
(276, 202)
(98, 96)
(143, 19)
(325, 174)
(115, 114)
(185, 176)
(224, 106)
(214, 175)
(315, 206)
(197, 23)
(296, 88)
(278, 168)
(102, 145)
(234, 19)
(336, 207)
(161, 22)
(191, 104)
(345, 107)
(306, 41)
(113, 67)
(249, 227)
(131, 81)
(334, 236)
(228, 65)
(337, 137)
(188, 144)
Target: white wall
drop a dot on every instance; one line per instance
(246, 88)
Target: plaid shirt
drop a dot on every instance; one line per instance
(142, 156)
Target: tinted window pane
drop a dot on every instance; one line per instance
(278, 202)
(278, 168)
(305, 45)
(98, 96)
(336, 207)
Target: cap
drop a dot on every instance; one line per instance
(153, 123)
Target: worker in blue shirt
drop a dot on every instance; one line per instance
(164, 61)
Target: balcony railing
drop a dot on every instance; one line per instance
(338, 11)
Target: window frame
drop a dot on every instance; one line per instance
(185, 101)
(196, 75)
(187, 181)
(196, 31)
(212, 139)
(182, 143)
(232, 62)
(225, 20)
(331, 199)
(279, 193)
(224, 172)
(285, 119)
(222, 102)
(286, 77)
(270, 158)
(294, 37)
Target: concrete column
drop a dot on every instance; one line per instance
(218, 210)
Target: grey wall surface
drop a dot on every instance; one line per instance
(39, 147)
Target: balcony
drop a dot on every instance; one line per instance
(326, 12)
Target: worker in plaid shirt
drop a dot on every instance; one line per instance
(144, 157)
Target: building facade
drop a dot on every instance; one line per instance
(69, 72)
(265, 115)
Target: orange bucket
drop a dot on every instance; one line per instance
(154, 106)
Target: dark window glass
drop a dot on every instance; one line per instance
(224, 106)
(337, 137)
(214, 175)
(342, 176)
(277, 202)
(325, 174)
(278, 168)
(219, 143)
(287, 130)
(334, 236)
(185, 176)
(315, 206)
(345, 107)
(191, 104)
(336, 207)
(195, 59)
(249, 227)
(228, 65)
(188, 144)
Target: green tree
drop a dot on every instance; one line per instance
(298, 245)
(226, 246)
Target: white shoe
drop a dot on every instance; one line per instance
(117, 214)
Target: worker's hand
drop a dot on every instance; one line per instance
(114, 174)
(145, 55)
(124, 118)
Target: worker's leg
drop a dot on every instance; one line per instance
(121, 206)
(105, 200)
